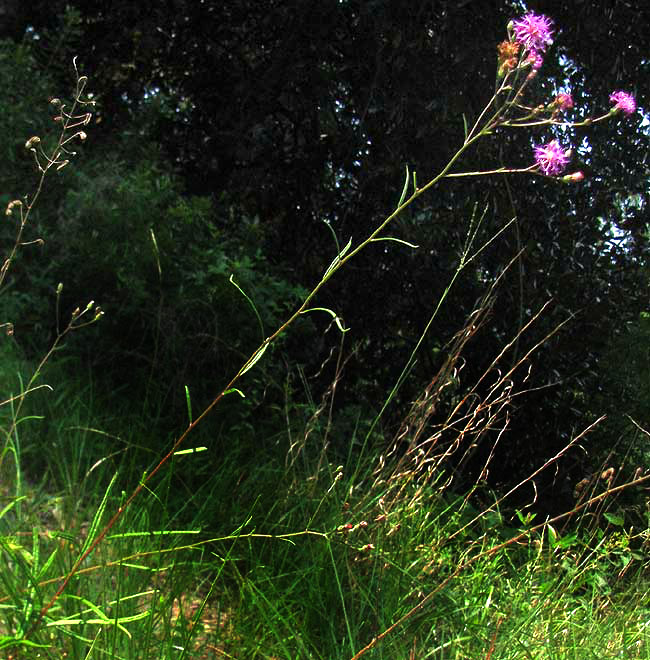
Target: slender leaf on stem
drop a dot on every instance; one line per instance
(156, 251)
(11, 504)
(337, 259)
(231, 279)
(336, 240)
(251, 363)
(194, 450)
(405, 188)
(234, 390)
(97, 519)
(188, 400)
(337, 319)
(396, 240)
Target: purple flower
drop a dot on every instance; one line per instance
(551, 158)
(624, 102)
(535, 59)
(534, 32)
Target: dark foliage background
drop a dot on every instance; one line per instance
(232, 130)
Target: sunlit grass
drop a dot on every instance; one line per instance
(317, 566)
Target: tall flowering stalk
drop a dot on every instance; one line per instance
(519, 59)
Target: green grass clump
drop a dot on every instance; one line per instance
(322, 561)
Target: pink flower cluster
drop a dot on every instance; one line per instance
(551, 158)
(535, 33)
(623, 101)
(529, 38)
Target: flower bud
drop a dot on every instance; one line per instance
(576, 177)
(563, 101)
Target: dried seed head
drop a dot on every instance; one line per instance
(580, 486)
(11, 205)
(32, 141)
(607, 474)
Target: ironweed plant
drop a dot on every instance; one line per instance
(400, 485)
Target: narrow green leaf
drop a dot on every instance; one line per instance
(396, 240)
(336, 240)
(405, 188)
(189, 403)
(614, 520)
(338, 258)
(567, 541)
(234, 390)
(552, 535)
(465, 125)
(251, 363)
(47, 564)
(16, 550)
(97, 519)
(156, 252)
(194, 450)
(11, 504)
(337, 319)
(250, 302)
(36, 548)
(10, 642)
